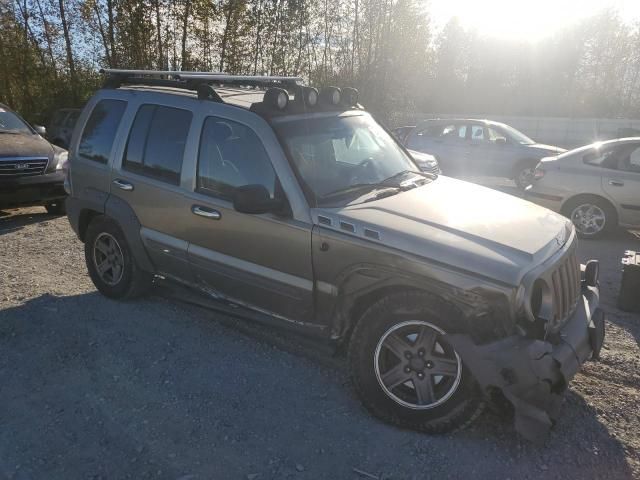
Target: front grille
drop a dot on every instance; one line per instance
(565, 281)
(22, 166)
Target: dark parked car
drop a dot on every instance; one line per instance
(31, 169)
(480, 148)
(61, 127)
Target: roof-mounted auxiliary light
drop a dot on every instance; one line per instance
(310, 96)
(277, 98)
(349, 97)
(330, 96)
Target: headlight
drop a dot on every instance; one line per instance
(61, 158)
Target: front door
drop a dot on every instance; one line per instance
(622, 184)
(260, 261)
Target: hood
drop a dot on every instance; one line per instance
(464, 226)
(547, 149)
(24, 145)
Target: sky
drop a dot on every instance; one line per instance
(524, 19)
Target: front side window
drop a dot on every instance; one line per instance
(100, 130)
(231, 155)
(12, 123)
(335, 156)
(156, 143)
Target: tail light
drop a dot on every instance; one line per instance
(539, 172)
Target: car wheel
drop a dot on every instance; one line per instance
(524, 177)
(111, 264)
(403, 370)
(591, 216)
(56, 208)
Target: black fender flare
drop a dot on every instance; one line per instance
(121, 212)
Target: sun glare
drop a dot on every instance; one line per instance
(528, 20)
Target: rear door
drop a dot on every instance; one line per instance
(147, 176)
(622, 184)
(261, 261)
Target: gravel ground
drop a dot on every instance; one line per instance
(159, 388)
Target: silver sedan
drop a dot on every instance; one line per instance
(596, 186)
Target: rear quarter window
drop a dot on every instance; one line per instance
(100, 130)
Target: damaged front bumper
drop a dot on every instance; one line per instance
(533, 374)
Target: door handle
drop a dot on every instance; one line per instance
(616, 183)
(206, 212)
(122, 185)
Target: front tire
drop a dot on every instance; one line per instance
(404, 372)
(110, 262)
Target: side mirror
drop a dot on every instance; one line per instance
(500, 141)
(40, 130)
(254, 199)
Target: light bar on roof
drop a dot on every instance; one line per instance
(224, 78)
(153, 73)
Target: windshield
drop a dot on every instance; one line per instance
(11, 123)
(339, 157)
(516, 136)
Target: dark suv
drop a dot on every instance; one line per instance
(292, 206)
(31, 169)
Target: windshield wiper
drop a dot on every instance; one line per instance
(350, 189)
(389, 180)
(387, 185)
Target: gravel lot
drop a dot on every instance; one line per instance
(159, 388)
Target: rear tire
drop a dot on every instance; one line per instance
(425, 401)
(592, 216)
(110, 262)
(56, 208)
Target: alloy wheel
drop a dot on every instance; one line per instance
(589, 219)
(525, 176)
(414, 367)
(108, 259)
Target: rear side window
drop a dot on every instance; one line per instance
(605, 157)
(156, 143)
(231, 155)
(100, 130)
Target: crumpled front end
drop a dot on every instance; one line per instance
(534, 373)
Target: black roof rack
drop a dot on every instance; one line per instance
(201, 82)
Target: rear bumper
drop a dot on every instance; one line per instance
(533, 374)
(36, 190)
(549, 200)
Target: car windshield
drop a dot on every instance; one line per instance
(11, 123)
(516, 136)
(341, 157)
